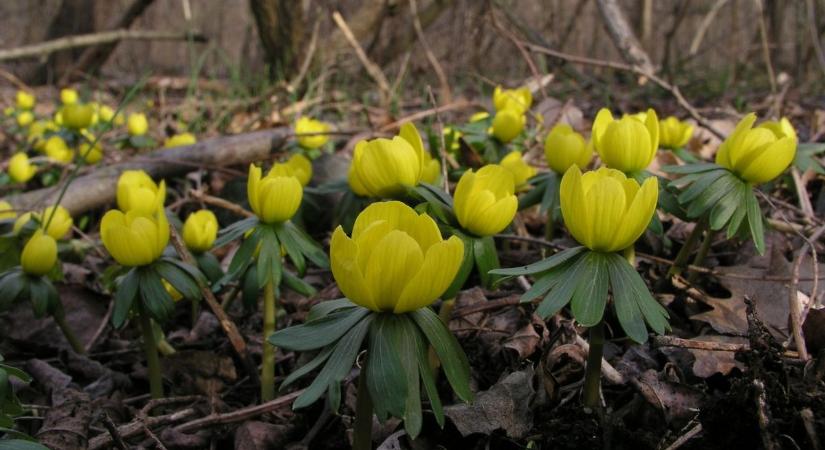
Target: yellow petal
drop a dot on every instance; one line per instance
(608, 202)
(771, 162)
(639, 213)
(391, 266)
(574, 209)
(441, 264)
(343, 261)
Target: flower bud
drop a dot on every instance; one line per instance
(484, 201)
(200, 230)
(39, 254)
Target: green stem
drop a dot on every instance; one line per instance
(630, 255)
(362, 439)
(151, 349)
(60, 319)
(268, 360)
(701, 254)
(682, 257)
(593, 371)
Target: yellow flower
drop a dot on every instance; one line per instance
(520, 170)
(307, 125)
(180, 140)
(59, 225)
(673, 133)
(57, 150)
(273, 198)
(518, 99)
(20, 169)
(758, 154)
(565, 147)
(200, 230)
(25, 100)
(484, 201)
(6, 210)
(92, 155)
(455, 145)
(106, 113)
(431, 168)
(604, 210)
(627, 144)
(479, 116)
(68, 96)
(508, 124)
(396, 260)
(134, 239)
(137, 191)
(137, 125)
(39, 254)
(298, 166)
(77, 116)
(386, 168)
(25, 118)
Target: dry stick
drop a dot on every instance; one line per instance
(135, 427)
(673, 89)
(239, 415)
(458, 104)
(622, 34)
(802, 193)
(85, 40)
(310, 53)
(229, 327)
(153, 437)
(372, 69)
(685, 437)
(446, 94)
(795, 310)
(809, 422)
(220, 203)
(766, 50)
(811, 19)
(764, 416)
(704, 26)
(442, 147)
(672, 341)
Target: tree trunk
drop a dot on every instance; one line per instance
(73, 17)
(281, 30)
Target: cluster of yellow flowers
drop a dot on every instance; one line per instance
(511, 107)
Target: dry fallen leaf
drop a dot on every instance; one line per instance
(707, 362)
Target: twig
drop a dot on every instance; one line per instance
(685, 437)
(239, 415)
(446, 95)
(442, 147)
(458, 104)
(302, 71)
(113, 432)
(811, 19)
(704, 26)
(153, 437)
(673, 89)
(229, 327)
(135, 427)
(673, 341)
(795, 309)
(622, 34)
(809, 422)
(85, 40)
(101, 328)
(372, 69)
(524, 53)
(766, 50)
(802, 193)
(763, 416)
(221, 203)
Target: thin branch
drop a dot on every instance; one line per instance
(372, 69)
(446, 94)
(86, 40)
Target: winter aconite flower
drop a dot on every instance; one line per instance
(200, 230)
(25, 118)
(627, 144)
(6, 210)
(77, 116)
(57, 150)
(484, 201)
(565, 147)
(59, 220)
(180, 140)
(386, 168)
(604, 210)
(21, 169)
(508, 124)
(274, 198)
(306, 128)
(39, 254)
(759, 154)
(136, 124)
(68, 96)
(91, 155)
(136, 191)
(520, 170)
(396, 260)
(134, 239)
(298, 166)
(673, 133)
(25, 100)
(431, 168)
(516, 99)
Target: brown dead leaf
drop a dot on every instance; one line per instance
(675, 400)
(202, 371)
(254, 435)
(707, 363)
(556, 111)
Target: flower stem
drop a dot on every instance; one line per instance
(60, 319)
(593, 371)
(699, 259)
(268, 360)
(682, 257)
(151, 349)
(362, 439)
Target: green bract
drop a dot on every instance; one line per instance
(583, 278)
(396, 365)
(709, 190)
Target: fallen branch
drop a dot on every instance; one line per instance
(239, 415)
(86, 40)
(98, 187)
